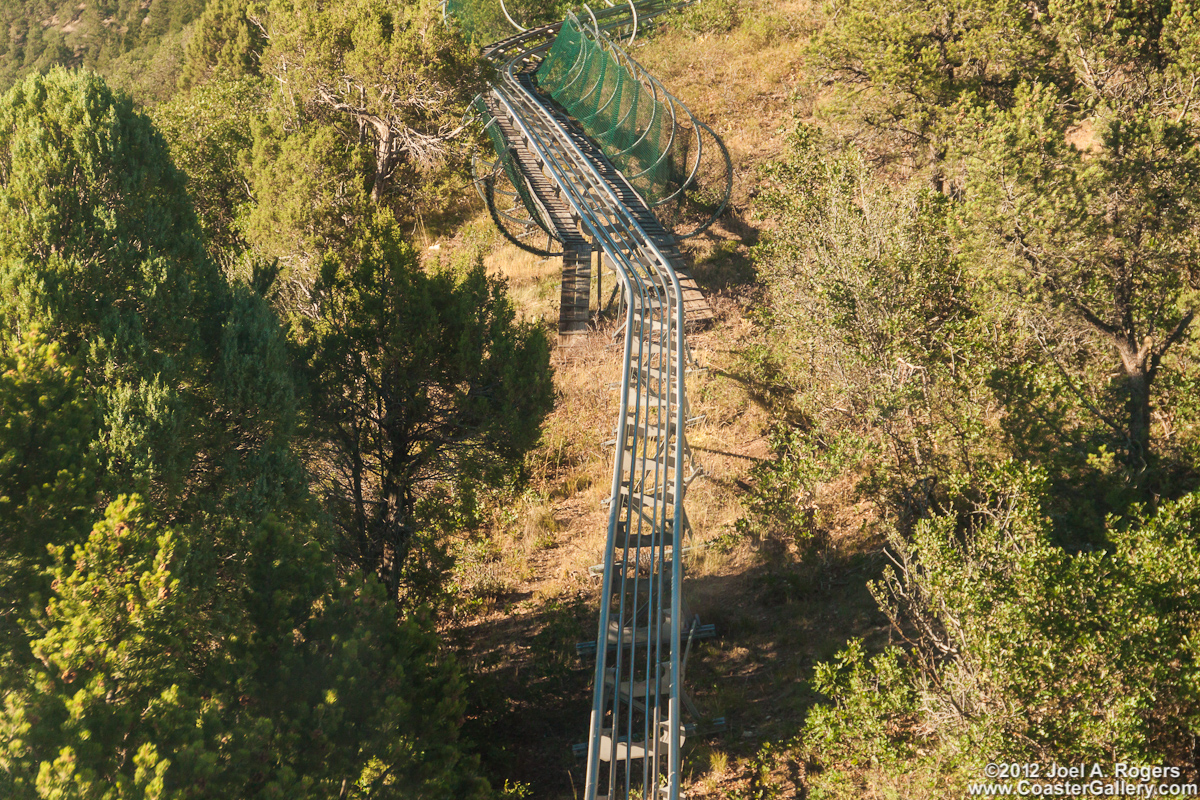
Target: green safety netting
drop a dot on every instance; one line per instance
(484, 21)
(635, 122)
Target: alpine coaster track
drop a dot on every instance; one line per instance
(556, 176)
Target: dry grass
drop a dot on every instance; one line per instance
(519, 267)
(533, 282)
(745, 83)
(869, 782)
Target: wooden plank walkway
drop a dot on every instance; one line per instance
(574, 309)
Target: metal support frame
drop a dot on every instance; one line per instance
(637, 695)
(652, 402)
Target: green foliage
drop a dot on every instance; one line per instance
(46, 469)
(366, 109)
(145, 687)
(876, 260)
(908, 69)
(1070, 130)
(193, 639)
(874, 340)
(870, 696)
(782, 501)
(515, 790)
(225, 44)
(100, 248)
(1107, 234)
(893, 322)
(47, 475)
(394, 78)
(211, 134)
(106, 642)
(179, 386)
(79, 164)
(1177, 403)
(1018, 649)
(712, 16)
(117, 37)
(311, 194)
(418, 379)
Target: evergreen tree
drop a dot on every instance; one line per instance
(112, 36)
(1093, 184)
(310, 196)
(211, 133)
(393, 77)
(225, 44)
(1070, 127)
(143, 685)
(172, 626)
(418, 380)
(99, 249)
(47, 476)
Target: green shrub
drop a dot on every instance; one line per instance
(712, 16)
(1018, 649)
(873, 341)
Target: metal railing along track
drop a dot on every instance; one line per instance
(636, 729)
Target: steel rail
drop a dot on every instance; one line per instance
(644, 270)
(651, 447)
(485, 187)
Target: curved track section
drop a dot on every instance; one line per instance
(671, 158)
(636, 727)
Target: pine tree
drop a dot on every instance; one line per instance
(173, 626)
(395, 76)
(418, 379)
(1071, 130)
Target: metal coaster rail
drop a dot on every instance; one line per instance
(638, 695)
(676, 162)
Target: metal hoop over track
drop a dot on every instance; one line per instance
(647, 132)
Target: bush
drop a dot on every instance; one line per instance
(712, 16)
(873, 335)
(1018, 649)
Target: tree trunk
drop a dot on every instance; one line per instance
(394, 526)
(1138, 363)
(383, 165)
(1138, 406)
(398, 505)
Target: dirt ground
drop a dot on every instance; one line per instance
(778, 604)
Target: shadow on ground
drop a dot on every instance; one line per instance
(778, 609)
